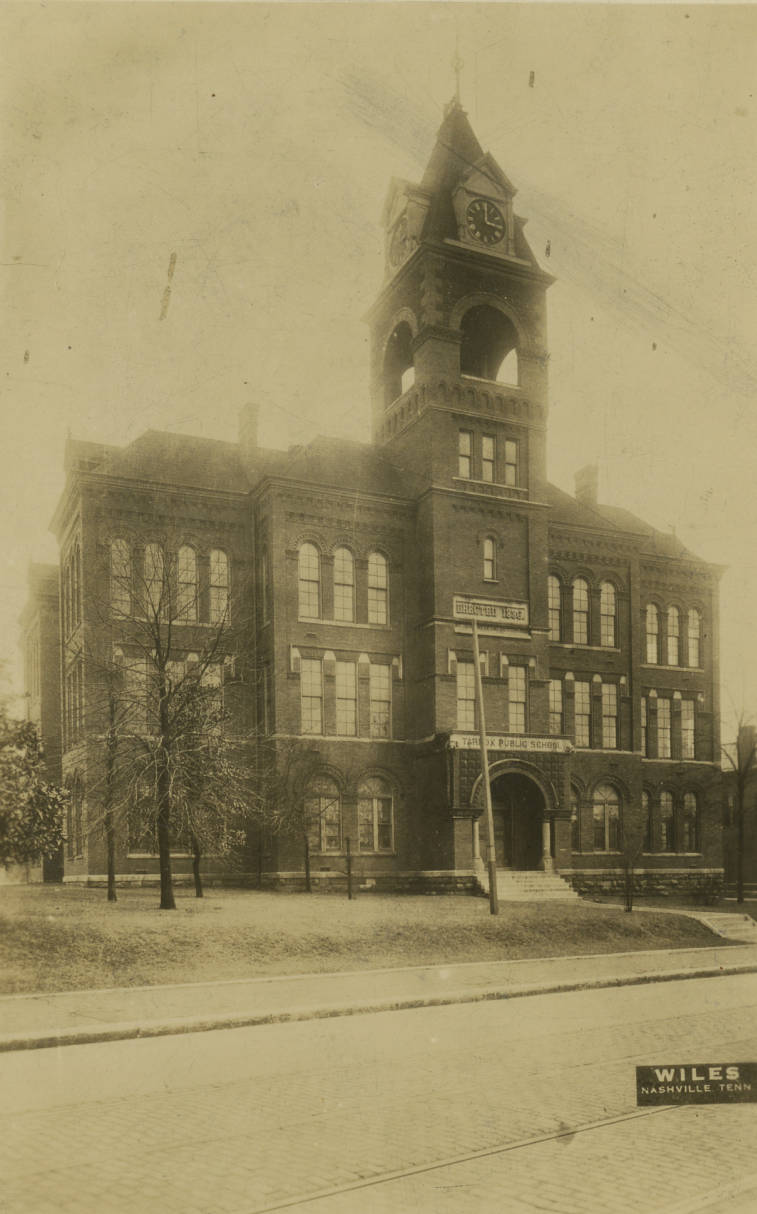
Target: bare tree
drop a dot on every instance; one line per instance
(168, 761)
(741, 757)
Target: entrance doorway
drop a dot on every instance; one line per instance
(518, 811)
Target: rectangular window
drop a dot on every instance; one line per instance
(378, 589)
(516, 693)
(487, 457)
(687, 729)
(381, 701)
(644, 734)
(346, 699)
(609, 716)
(464, 453)
(466, 696)
(553, 604)
(555, 706)
(311, 695)
(663, 729)
(583, 714)
(511, 462)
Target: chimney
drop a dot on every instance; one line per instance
(587, 479)
(248, 433)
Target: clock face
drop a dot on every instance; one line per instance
(399, 246)
(485, 221)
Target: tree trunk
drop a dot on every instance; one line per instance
(196, 856)
(164, 813)
(740, 841)
(308, 885)
(260, 857)
(110, 775)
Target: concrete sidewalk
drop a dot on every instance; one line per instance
(82, 1017)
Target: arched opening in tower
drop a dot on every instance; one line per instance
(489, 348)
(399, 371)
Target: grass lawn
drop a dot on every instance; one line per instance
(53, 938)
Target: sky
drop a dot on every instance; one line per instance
(192, 197)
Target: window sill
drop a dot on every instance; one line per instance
(473, 480)
(580, 645)
(307, 619)
(664, 666)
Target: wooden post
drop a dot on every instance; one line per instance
(491, 856)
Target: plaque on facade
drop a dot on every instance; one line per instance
(512, 741)
(490, 611)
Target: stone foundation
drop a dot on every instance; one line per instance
(431, 883)
(704, 887)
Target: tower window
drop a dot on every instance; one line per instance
(644, 730)
(120, 577)
(311, 695)
(517, 693)
(511, 462)
(464, 453)
(346, 699)
(490, 560)
(399, 372)
(646, 813)
(580, 612)
(489, 345)
(323, 814)
(375, 816)
(466, 696)
(487, 457)
(380, 684)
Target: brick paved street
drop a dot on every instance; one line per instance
(245, 1120)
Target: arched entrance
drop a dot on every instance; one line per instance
(518, 812)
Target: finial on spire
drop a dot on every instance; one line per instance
(457, 67)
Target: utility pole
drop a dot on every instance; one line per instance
(491, 857)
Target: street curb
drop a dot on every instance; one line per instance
(133, 1030)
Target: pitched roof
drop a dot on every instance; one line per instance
(184, 459)
(344, 464)
(568, 511)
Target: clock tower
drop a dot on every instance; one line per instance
(459, 403)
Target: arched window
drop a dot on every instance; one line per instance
(76, 583)
(153, 578)
(187, 585)
(575, 822)
(606, 806)
(646, 815)
(309, 582)
(378, 589)
(580, 611)
(489, 345)
(120, 577)
(667, 832)
(490, 560)
(673, 638)
(690, 823)
(694, 637)
(323, 815)
(219, 586)
(344, 585)
(375, 815)
(399, 372)
(553, 607)
(607, 613)
(652, 623)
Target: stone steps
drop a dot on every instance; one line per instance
(529, 886)
(731, 926)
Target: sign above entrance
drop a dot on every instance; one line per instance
(512, 741)
(490, 611)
